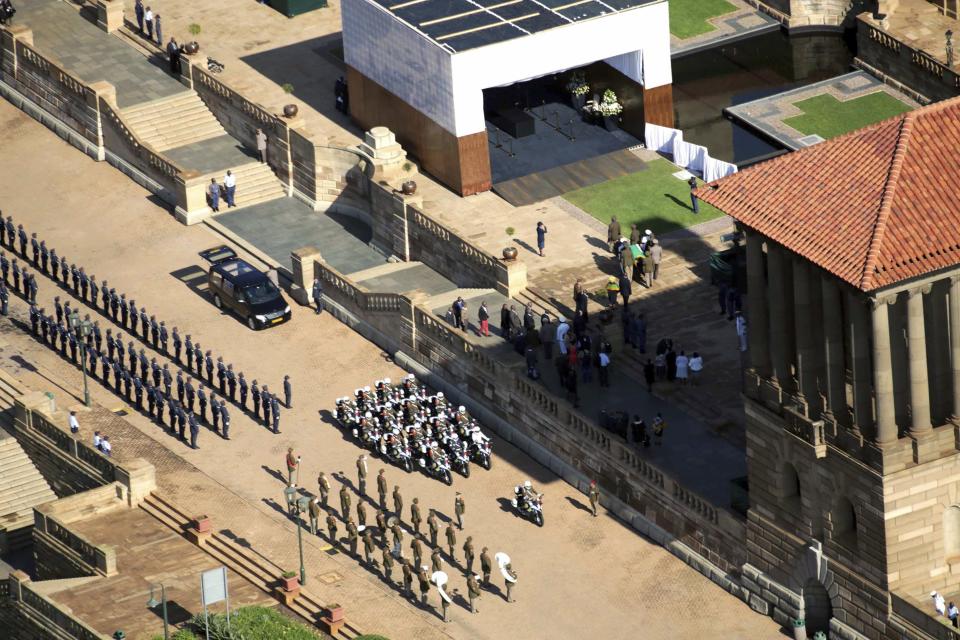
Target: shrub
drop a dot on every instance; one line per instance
(287, 87)
(250, 623)
(194, 29)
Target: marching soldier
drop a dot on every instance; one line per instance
(382, 489)
(361, 513)
(451, 541)
(459, 508)
(397, 538)
(387, 565)
(397, 502)
(314, 514)
(424, 580)
(417, 549)
(362, 474)
(407, 576)
(368, 546)
(594, 494)
(352, 536)
(324, 488)
(486, 566)
(436, 562)
(344, 502)
(468, 554)
(473, 592)
(415, 517)
(510, 583)
(434, 527)
(332, 528)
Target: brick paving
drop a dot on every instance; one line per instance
(117, 231)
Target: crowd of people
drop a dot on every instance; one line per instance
(379, 540)
(140, 379)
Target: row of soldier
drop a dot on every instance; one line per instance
(373, 536)
(138, 323)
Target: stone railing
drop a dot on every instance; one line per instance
(810, 431)
(59, 620)
(74, 553)
(933, 627)
(155, 164)
(94, 559)
(884, 54)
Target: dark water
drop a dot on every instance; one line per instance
(706, 83)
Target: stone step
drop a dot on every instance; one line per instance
(445, 300)
(29, 498)
(155, 119)
(177, 134)
(183, 119)
(382, 270)
(182, 97)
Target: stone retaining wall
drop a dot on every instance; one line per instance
(25, 614)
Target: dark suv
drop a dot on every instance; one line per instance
(237, 286)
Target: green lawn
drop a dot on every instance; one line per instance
(688, 18)
(827, 117)
(652, 198)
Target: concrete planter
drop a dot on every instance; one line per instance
(290, 584)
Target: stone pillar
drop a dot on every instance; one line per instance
(304, 263)
(955, 344)
(806, 369)
(858, 322)
(110, 15)
(388, 157)
(919, 380)
(883, 373)
(192, 205)
(757, 300)
(836, 385)
(776, 291)
(138, 477)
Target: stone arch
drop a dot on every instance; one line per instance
(815, 584)
(790, 481)
(817, 607)
(951, 533)
(844, 519)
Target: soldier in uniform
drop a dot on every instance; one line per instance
(214, 411)
(416, 548)
(64, 269)
(361, 513)
(510, 585)
(180, 387)
(434, 527)
(255, 396)
(594, 494)
(436, 562)
(4, 266)
(387, 565)
(397, 539)
(4, 299)
(222, 376)
(473, 592)
(232, 383)
(131, 311)
(368, 546)
(344, 502)
(22, 236)
(155, 332)
(314, 514)
(138, 392)
(459, 508)
(177, 344)
(362, 474)
(451, 541)
(486, 566)
(267, 400)
(94, 291)
(352, 536)
(124, 309)
(160, 404)
(188, 345)
(144, 323)
(382, 489)
(16, 275)
(202, 400)
(397, 502)
(324, 488)
(332, 528)
(167, 379)
(468, 554)
(35, 245)
(242, 382)
(415, 516)
(381, 519)
(164, 337)
(194, 430)
(190, 393)
(407, 576)
(424, 580)
(208, 361)
(225, 418)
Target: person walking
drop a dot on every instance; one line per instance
(484, 317)
(318, 295)
(262, 146)
(594, 494)
(230, 184)
(213, 191)
(613, 233)
(694, 201)
(541, 237)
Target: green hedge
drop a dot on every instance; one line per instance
(246, 623)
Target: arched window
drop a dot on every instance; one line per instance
(951, 533)
(844, 518)
(790, 481)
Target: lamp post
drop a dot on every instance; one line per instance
(152, 604)
(296, 507)
(82, 329)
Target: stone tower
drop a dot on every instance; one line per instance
(852, 392)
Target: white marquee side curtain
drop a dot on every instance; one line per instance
(716, 169)
(661, 138)
(689, 156)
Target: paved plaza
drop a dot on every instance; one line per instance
(117, 232)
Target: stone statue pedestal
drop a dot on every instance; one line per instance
(388, 157)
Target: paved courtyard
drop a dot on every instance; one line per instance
(117, 231)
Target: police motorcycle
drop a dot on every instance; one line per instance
(528, 503)
(395, 450)
(436, 463)
(479, 448)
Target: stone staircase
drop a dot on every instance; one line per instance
(173, 122)
(245, 562)
(256, 183)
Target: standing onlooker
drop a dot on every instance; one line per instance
(742, 330)
(287, 392)
(696, 366)
(230, 182)
(148, 22)
(613, 232)
(173, 51)
(656, 252)
(159, 29)
(938, 602)
(261, 145)
(105, 446)
(74, 424)
(484, 317)
(97, 441)
(694, 201)
(658, 426)
(318, 295)
(138, 10)
(505, 322)
(214, 192)
(683, 363)
(649, 374)
(548, 335)
(541, 237)
(459, 306)
(604, 368)
(6, 12)
(953, 613)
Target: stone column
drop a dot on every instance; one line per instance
(757, 300)
(833, 350)
(917, 348)
(883, 373)
(776, 291)
(955, 344)
(803, 321)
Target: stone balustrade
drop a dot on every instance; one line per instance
(932, 626)
(74, 556)
(46, 617)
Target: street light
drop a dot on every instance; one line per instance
(152, 604)
(82, 329)
(296, 507)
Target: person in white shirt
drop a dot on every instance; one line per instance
(562, 329)
(74, 423)
(148, 22)
(696, 366)
(682, 367)
(230, 182)
(938, 602)
(604, 369)
(954, 614)
(97, 440)
(742, 330)
(105, 446)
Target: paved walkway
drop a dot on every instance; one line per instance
(767, 115)
(921, 25)
(598, 563)
(91, 54)
(743, 22)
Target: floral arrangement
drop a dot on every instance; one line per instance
(578, 84)
(609, 105)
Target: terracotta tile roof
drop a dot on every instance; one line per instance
(873, 207)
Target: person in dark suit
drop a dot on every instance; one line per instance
(173, 50)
